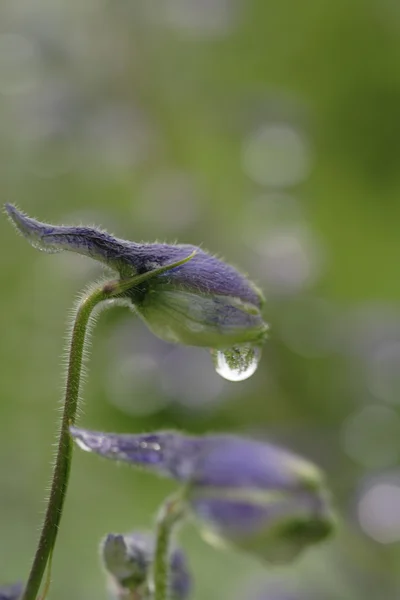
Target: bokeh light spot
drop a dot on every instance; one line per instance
(378, 512)
(276, 155)
(291, 260)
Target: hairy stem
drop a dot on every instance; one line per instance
(65, 445)
(48, 536)
(171, 512)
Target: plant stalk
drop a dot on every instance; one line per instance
(172, 511)
(65, 445)
(48, 536)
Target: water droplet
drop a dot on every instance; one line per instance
(237, 363)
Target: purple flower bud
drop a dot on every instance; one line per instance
(253, 495)
(11, 592)
(128, 560)
(203, 302)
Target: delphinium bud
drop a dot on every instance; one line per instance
(11, 592)
(252, 495)
(203, 302)
(128, 559)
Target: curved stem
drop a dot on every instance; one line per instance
(48, 536)
(171, 512)
(65, 445)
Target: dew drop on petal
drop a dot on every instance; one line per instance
(237, 363)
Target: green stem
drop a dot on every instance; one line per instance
(65, 445)
(171, 512)
(48, 536)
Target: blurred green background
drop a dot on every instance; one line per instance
(269, 132)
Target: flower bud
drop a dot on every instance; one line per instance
(252, 495)
(128, 560)
(185, 295)
(11, 592)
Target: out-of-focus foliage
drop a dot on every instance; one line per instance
(269, 133)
